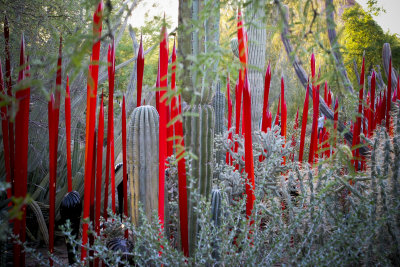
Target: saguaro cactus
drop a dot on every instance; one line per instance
(216, 199)
(143, 161)
(257, 36)
(219, 108)
(199, 139)
(198, 91)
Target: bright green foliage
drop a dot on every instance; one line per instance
(361, 33)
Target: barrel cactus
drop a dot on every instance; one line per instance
(142, 153)
(119, 244)
(71, 209)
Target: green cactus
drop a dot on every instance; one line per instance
(216, 199)
(219, 108)
(199, 140)
(198, 89)
(142, 155)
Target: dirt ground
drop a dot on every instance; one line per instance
(60, 251)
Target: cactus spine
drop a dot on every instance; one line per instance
(219, 108)
(143, 161)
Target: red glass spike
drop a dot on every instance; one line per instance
(267, 83)
(21, 153)
(179, 152)
(4, 128)
(90, 121)
(389, 97)
(314, 129)
(242, 39)
(110, 126)
(284, 110)
(304, 123)
(336, 118)
(140, 68)
(371, 126)
(92, 195)
(99, 165)
(249, 161)
(68, 134)
(163, 67)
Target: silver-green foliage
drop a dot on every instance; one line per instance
(326, 220)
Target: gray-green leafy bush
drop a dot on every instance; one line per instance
(301, 216)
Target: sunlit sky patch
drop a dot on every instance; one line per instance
(388, 21)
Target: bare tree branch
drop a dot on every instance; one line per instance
(302, 75)
(330, 22)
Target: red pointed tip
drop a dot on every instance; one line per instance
(312, 65)
(60, 47)
(23, 44)
(100, 6)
